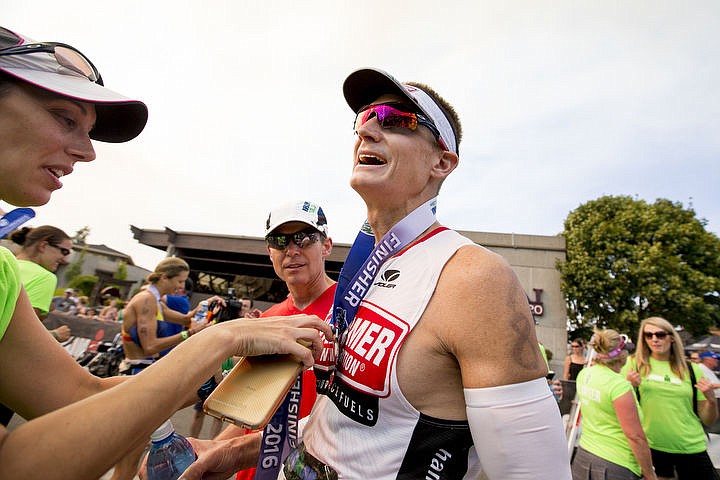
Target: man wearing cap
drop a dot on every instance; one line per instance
(708, 364)
(297, 240)
(438, 373)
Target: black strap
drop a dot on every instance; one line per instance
(693, 381)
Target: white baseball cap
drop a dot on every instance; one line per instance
(61, 69)
(300, 211)
(364, 86)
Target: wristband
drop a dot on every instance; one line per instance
(184, 334)
(55, 335)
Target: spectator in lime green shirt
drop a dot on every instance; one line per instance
(613, 444)
(663, 378)
(43, 250)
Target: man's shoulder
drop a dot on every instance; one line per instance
(279, 309)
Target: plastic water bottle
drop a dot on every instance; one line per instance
(201, 314)
(170, 454)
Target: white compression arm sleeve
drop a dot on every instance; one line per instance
(517, 431)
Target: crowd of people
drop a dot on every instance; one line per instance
(453, 380)
(645, 414)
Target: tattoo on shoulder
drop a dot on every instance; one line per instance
(523, 338)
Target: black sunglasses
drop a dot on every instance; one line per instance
(660, 335)
(65, 55)
(63, 250)
(303, 238)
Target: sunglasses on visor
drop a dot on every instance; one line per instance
(389, 117)
(65, 55)
(303, 238)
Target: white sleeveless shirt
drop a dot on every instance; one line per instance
(363, 426)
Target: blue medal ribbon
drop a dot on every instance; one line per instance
(364, 261)
(13, 219)
(283, 425)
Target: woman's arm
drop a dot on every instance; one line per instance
(707, 410)
(72, 435)
(145, 307)
(566, 372)
(627, 414)
(173, 316)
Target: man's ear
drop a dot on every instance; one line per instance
(445, 163)
(326, 247)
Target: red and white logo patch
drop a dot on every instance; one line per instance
(373, 341)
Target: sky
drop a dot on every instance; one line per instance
(561, 102)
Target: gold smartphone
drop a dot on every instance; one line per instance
(249, 395)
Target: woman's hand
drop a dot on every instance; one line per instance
(634, 378)
(706, 387)
(281, 335)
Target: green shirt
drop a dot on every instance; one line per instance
(544, 354)
(9, 288)
(668, 419)
(597, 388)
(39, 284)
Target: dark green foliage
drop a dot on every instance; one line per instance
(628, 260)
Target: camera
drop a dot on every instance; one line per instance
(232, 309)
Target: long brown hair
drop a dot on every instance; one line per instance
(29, 237)
(677, 355)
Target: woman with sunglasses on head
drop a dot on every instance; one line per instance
(674, 410)
(52, 103)
(613, 444)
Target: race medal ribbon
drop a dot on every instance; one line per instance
(363, 263)
(284, 423)
(13, 219)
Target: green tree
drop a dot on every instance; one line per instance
(628, 260)
(84, 283)
(75, 268)
(121, 273)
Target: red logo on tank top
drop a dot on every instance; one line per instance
(373, 340)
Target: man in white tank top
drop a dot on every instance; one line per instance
(437, 373)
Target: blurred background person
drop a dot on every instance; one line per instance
(676, 400)
(146, 333)
(613, 444)
(575, 361)
(43, 250)
(708, 362)
(109, 312)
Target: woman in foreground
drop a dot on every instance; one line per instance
(52, 103)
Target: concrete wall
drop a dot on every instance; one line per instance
(533, 258)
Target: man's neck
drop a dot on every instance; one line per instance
(303, 295)
(382, 217)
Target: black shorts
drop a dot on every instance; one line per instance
(689, 466)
